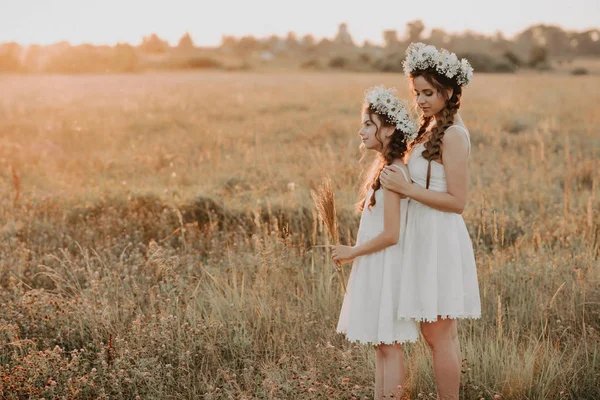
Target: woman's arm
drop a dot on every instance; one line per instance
(456, 154)
(389, 236)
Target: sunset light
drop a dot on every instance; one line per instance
(113, 21)
(299, 200)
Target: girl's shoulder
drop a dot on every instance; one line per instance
(399, 164)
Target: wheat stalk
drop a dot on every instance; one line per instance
(324, 199)
(16, 184)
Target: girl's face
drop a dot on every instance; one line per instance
(372, 133)
(428, 98)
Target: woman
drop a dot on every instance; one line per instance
(439, 277)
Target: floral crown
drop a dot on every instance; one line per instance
(420, 56)
(385, 102)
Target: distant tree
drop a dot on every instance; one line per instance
(364, 58)
(343, 36)
(538, 56)
(414, 30)
(313, 63)
(588, 42)
(390, 62)
(308, 40)
(469, 41)
(228, 41)
(498, 43)
(125, 59)
(83, 58)
(154, 44)
(247, 45)
(512, 58)
(202, 63)
(556, 40)
(339, 62)
(485, 62)
(32, 61)
(186, 42)
(390, 38)
(438, 37)
(273, 44)
(10, 57)
(324, 46)
(291, 41)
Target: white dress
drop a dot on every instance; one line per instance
(439, 276)
(369, 311)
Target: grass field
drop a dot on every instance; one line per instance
(156, 237)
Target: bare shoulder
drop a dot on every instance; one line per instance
(399, 163)
(456, 137)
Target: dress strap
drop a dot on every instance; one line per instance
(466, 132)
(402, 170)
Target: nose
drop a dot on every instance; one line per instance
(420, 99)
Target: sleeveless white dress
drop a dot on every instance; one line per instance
(370, 307)
(439, 276)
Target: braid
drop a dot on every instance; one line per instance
(396, 149)
(433, 147)
(425, 121)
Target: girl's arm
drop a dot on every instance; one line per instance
(389, 236)
(456, 154)
(391, 227)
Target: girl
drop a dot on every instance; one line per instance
(369, 311)
(439, 277)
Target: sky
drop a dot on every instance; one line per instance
(113, 21)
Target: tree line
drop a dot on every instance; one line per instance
(534, 47)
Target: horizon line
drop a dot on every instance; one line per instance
(173, 42)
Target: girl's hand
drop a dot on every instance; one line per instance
(342, 254)
(393, 180)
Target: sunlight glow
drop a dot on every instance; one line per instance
(113, 21)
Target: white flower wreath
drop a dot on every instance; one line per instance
(420, 56)
(387, 104)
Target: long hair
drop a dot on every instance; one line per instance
(433, 147)
(395, 149)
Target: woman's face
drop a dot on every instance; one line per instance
(428, 98)
(369, 132)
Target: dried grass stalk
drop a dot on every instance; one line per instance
(324, 199)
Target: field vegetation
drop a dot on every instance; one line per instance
(157, 237)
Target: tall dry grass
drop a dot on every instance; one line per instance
(161, 242)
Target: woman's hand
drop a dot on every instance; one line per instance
(342, 254)
(393, 180)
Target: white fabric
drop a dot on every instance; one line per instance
(370, 305)
(439, 276)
